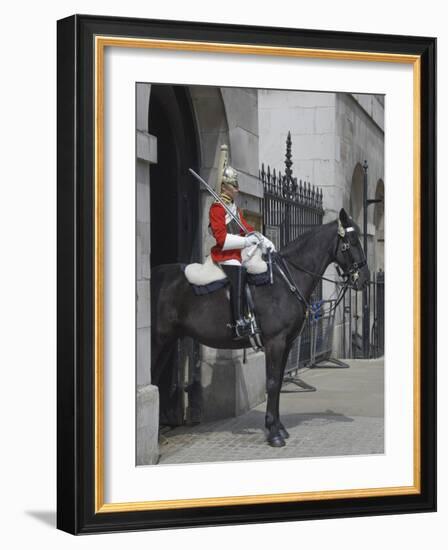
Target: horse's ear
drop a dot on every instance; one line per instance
(344, 217)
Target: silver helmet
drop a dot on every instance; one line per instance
(230, 176)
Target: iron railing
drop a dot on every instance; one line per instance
(313, 347)
(290, 207)
(352, 341)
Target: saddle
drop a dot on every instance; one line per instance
(209, 276)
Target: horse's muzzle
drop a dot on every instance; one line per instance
(360, 279)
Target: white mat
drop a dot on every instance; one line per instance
(209, 272)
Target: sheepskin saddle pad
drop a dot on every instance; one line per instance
(208, 277)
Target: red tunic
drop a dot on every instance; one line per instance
(218, 227)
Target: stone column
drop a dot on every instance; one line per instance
(147, 395)
(234, 382)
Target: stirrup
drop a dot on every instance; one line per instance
(241, 330)
(255, 335)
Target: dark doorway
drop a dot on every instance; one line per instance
(175, 227)
(174, 193)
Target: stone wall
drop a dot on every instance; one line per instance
(147, 394)
(231, 383)
(310, 117)
(360, 137)
(332, 134)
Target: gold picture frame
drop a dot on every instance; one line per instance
(78, 63)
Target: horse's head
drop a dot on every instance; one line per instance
(349, 254)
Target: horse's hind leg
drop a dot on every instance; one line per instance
(276, 355)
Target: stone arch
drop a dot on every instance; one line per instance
(213, 131)
(212, 127)
(357, 213)
(378, 220)
(173, 223)
(174, 195)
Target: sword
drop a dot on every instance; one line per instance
(218, 198)
(227, 209)
(271, 274)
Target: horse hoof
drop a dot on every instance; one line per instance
(284, 433)
(276, 441)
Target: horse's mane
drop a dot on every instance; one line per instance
(306, 239)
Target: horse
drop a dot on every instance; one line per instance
(280, 308)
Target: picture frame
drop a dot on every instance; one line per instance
(82, 41)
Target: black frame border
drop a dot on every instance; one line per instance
(76, 262)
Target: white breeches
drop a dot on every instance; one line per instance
(247, 254)
(230, 262)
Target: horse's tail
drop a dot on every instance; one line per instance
(165, 279)
(157, 278)
(162, 298)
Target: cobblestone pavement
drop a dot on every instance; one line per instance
(345, 416)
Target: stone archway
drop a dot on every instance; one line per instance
(378, 220)
(213, 131)
(212, 127)
(231, 382)
(357, 213)
(174, 218)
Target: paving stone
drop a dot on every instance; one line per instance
(328, 424)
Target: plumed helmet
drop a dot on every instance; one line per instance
(230, 176)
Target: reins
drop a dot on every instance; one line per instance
(286, 274)
(289, 279)
(321, 277)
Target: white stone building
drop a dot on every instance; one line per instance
(333, 134)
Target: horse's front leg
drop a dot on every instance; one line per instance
(276, 355)
(283, 431)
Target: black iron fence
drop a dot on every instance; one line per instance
(291, 207)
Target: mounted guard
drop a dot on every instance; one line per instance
(233, 235)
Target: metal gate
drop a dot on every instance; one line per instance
(291, 207)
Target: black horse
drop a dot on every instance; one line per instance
(177, 311)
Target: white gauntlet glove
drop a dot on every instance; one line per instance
(237, 242)
(264, 242)
(252, 240)
(267, 245)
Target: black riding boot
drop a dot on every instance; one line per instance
(237, 278)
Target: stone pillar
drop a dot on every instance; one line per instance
(147, 394)
(231, 385)
(234, 382)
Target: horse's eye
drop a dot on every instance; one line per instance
(353, 238)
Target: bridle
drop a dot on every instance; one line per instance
(346, 241)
